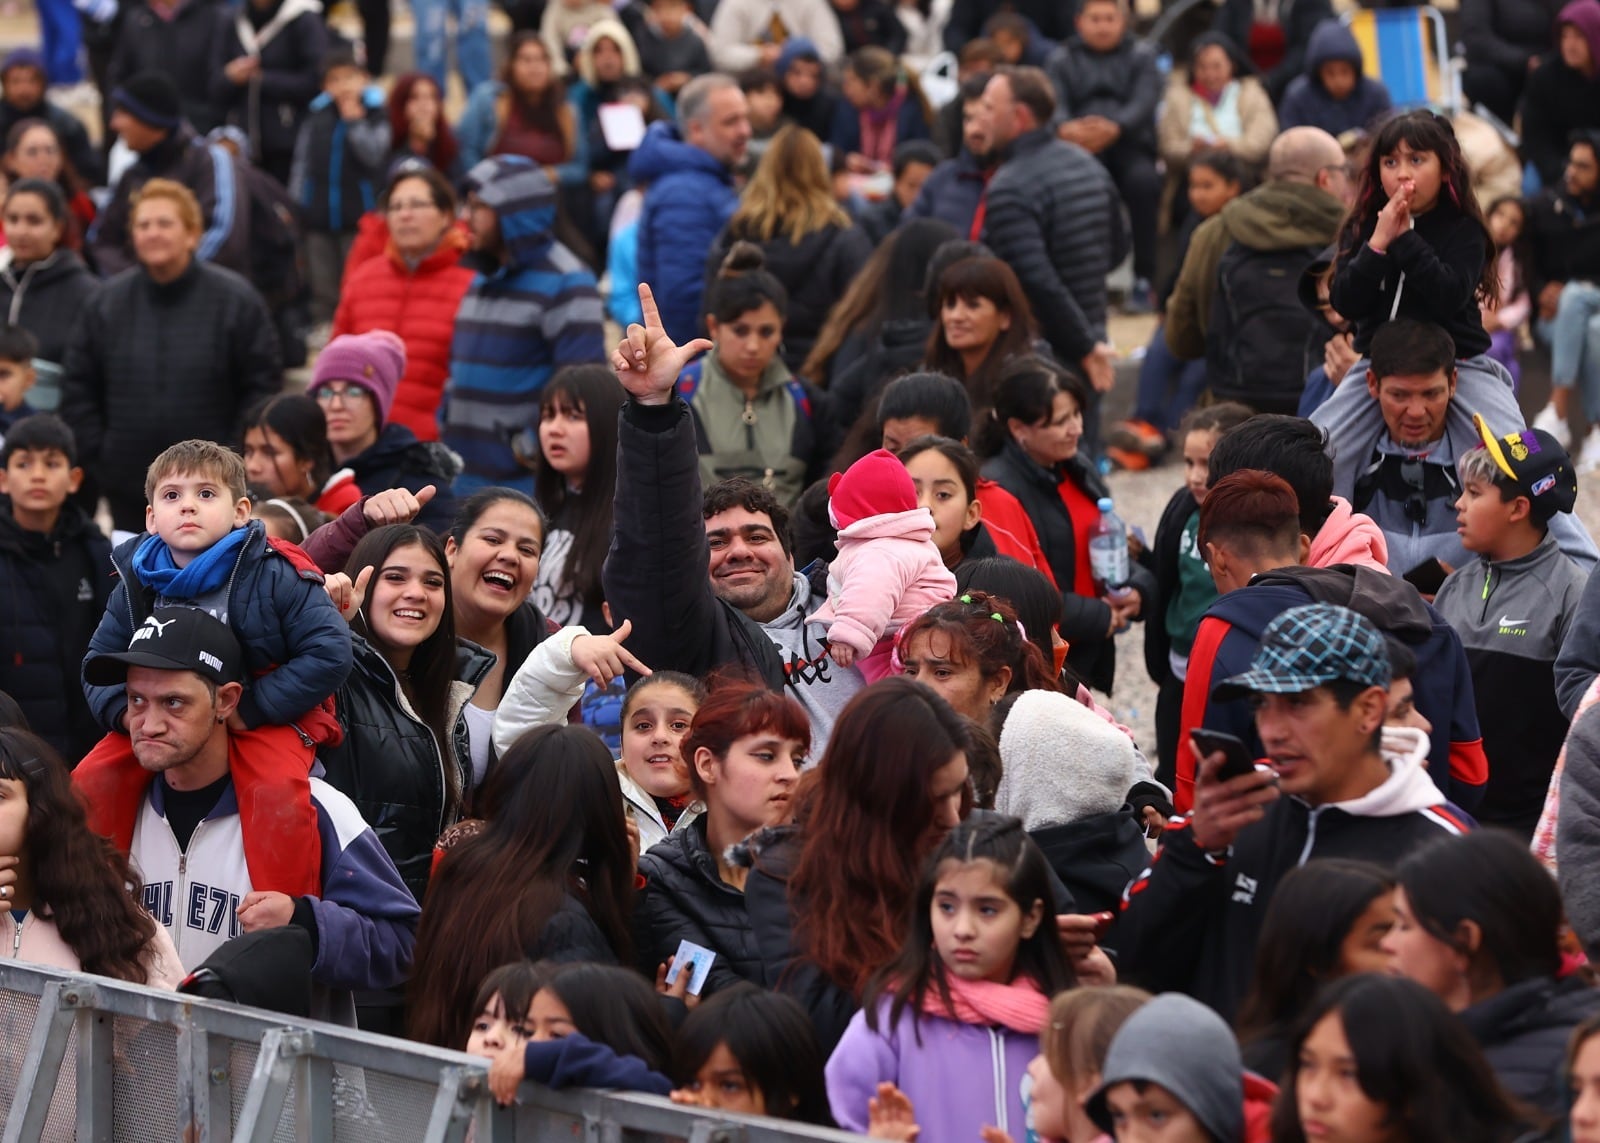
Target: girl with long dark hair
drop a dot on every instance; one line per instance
(1478, 922)
(950, 1020)
(286, 453)
(524, 112)
(751, 1051)
(576, 475)
(1380, 1060)
(549, 876)
(1326, 921)
(74, 901)
(405, 759)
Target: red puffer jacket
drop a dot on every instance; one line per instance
(420, 305)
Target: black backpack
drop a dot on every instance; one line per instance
(1260, 339)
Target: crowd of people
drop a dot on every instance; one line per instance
(715, 708)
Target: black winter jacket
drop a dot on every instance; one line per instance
(1123, 85)
(1054, 215)
(270, 107)
(1096, 857)
(1435, 267)
(212, 174)
(1524, 1032)
(151, 364)
(397, 459)
(1506, 34)
(53, 590)
(1083, 620)
(1556, 102)
(684, 898)
(46, 297)
(1564, 235)
(898, 347)
(180, 47)
(1191, 921)
(656, 573)
(389, 764)
(815, 271)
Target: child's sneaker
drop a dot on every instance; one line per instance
(1138, 436)
(1556, 425)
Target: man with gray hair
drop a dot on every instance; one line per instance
(1298, 208)
(687, 171)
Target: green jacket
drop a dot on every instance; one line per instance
(1276, 216)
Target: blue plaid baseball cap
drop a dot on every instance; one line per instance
(1312, 646)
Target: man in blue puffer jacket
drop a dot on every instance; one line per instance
(690, 195)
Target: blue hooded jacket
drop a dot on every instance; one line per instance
(520, 322)
(1306, 103)
(688, 200)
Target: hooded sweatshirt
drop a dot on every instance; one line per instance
(1307, 103)
(1348, 537)
(1191, 921)
(1184, 1047)
(1230, 634)
(1277, 216)
(889, 571)
(535, 310)
(1512, 616)
(1356, 430)
(1559, 100)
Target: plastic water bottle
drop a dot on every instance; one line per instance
(1108, 551)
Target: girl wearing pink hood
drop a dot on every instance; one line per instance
(889, 570)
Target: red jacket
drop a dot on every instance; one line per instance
(420, 305)
(1010, 529)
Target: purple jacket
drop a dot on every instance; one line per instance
(960, 1078)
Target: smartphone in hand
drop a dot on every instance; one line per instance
(1236, 758)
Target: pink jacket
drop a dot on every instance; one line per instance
(36, 941)
(888, 572)
(1348, 537)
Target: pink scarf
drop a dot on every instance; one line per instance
(1019, 1005)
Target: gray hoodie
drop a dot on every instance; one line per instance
(1184, 1047)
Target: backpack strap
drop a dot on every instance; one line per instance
(801, 399)
(689, 380)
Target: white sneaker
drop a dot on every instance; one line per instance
(1589, 458)
(1556, 426)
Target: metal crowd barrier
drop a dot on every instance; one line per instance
(98, 1061)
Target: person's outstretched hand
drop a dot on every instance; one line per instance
(890, 1116)
(647, 361)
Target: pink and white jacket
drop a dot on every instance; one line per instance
(889, 571)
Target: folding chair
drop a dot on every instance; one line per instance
(1409, 51)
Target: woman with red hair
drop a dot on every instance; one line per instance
(827, 898)
(743, 752)
(418, 128)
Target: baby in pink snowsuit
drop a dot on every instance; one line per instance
(889, 570)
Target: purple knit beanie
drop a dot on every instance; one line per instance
(375, 361)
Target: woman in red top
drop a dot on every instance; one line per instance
(524, 112)
(1031, 438)
(34, 151)
(414, 291)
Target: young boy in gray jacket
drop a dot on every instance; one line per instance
(1512, 607)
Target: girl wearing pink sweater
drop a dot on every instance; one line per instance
(889, 570)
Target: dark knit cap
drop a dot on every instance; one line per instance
(151, 98)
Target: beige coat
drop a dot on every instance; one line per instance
(1260, 122)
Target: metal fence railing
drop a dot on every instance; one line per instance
(95, 1060)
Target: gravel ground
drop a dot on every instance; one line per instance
(1140, 497)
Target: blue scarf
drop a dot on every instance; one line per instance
(208, 571)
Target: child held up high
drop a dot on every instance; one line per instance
(1512, 608)
(947, 1030)
(889, 570)
(56, 566)
(202, 550)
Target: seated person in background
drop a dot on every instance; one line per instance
(953, 189)
(1107, 84)
(671, 51)
(1507, 218)
(870, 23)
(763, 91)
(1339, 784)
(882, 108)
(1333, 94)
(913, 163)
(808, 100)
(1513, 608)
(1563, 93)
(1275, 36)
(1017, 40)
(1218, 105)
